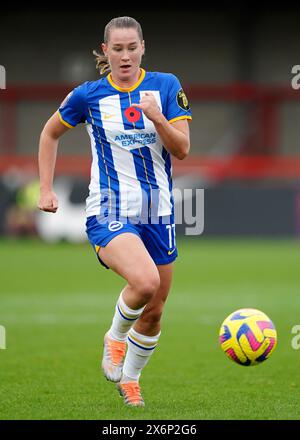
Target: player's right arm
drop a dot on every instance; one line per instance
(72, 111)
(49, 139)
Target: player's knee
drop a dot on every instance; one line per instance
(147, 287)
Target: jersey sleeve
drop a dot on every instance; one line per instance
(178, 105)
(72, 110)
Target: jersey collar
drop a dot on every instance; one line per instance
(129, 89)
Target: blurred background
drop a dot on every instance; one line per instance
(56, 301)
(236, 68)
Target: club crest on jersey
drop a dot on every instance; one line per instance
(182, 100)
(115, 226)
(132, 114)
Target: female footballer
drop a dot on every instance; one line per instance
(136, 120)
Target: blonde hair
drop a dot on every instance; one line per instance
(119, 22)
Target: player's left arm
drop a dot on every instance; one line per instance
(175, 136)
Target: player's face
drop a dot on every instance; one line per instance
(124, 51)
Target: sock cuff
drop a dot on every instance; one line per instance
(144, 342)
(126, 312)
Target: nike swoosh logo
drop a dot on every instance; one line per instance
(171, 252)
(108, 116)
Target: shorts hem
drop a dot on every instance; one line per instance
(165, 261)
(108, 239)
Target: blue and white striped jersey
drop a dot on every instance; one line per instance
(131, 170)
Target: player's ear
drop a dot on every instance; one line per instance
(104, 48)
(143, 47)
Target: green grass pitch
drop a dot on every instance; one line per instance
(56, 303)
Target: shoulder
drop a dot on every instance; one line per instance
(89, 86)
(85, 93)
(165, 82)
(163, 76)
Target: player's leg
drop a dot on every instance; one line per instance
(143, 338)
(149, 322)
(128, 257)
(159, 239)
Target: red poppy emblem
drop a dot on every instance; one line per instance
(132, 114)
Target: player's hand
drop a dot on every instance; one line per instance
(149, 106)
(48, 201)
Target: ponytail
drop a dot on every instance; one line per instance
(101, 62)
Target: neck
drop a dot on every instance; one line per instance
(126, 83)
